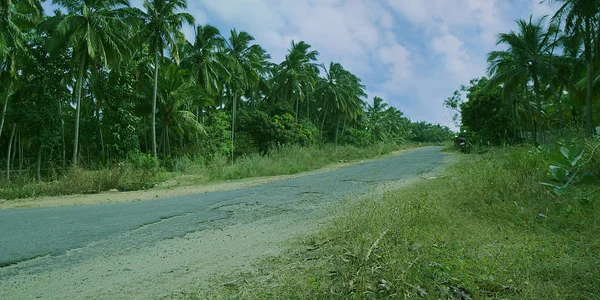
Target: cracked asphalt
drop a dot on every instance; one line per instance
(54, 233)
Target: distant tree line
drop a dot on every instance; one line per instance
(545, 80)
(100, 81)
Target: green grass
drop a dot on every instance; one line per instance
(142, 172)
(487, 229)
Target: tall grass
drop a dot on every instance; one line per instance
(486, 230)
(142, 171)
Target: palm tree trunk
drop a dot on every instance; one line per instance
(100, 131)
(538, 101)
(337, 127)
(78, 108)
(12, 135)
(20, 151)
(530, 115)
(154, 94)
(202, 114)
(62, 134)
(6, 94)
(561, 115)
(297, 101)
(38, 171)
(145, 134)
(233, 125)
(589, 125)
(168, 140)
(14, 149)
(307, 109)
(323, 121)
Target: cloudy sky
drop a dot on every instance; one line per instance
(412, 53)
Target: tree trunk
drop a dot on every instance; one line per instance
(307, 108)
(38, 171)
(513, 113)
(6, 94)
(297, 101)
(78, 108)
(62, 134)
(168, 141)
(233, 125)
(530, 114)
(154, 95)
(323, 121)
(12, 135)
(337, 127)
(561, 115)
(145, 134)
(20, 151)
(100, 130)
(14, 150)
(202, 114)
(589, 125)
(538, 101)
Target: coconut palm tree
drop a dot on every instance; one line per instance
(207, 61)
(162, 29)
(16, 17)
(175, 92)
(580, 19)
(375, 115)
(247, 63)
(527, 58)
(341, 94)
(96, 30)
(295, 74)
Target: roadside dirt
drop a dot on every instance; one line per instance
(182, 266)
(171, 188)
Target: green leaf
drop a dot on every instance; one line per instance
(559, 173)
(560, 160)
(576, 159)
(565, 152)
(552, 185)
(570, 179)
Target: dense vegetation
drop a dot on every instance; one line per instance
(100, 84)
(543, 83)
(514, 222)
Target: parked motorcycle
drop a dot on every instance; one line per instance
(462, 144)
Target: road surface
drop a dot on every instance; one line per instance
(159, 247)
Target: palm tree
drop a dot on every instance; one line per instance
(96, 30)
(176, 91)
(375, 115)
(581, 21)
(247, 63)
(527, 58)
(341, 94)
(162, 29)
(16, 17)
(207, 61)
(295, 74)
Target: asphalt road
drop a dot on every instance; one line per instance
(26, 234)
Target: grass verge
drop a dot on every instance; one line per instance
(487, 229)
(142, 172)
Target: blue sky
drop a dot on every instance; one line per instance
(412, 53)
